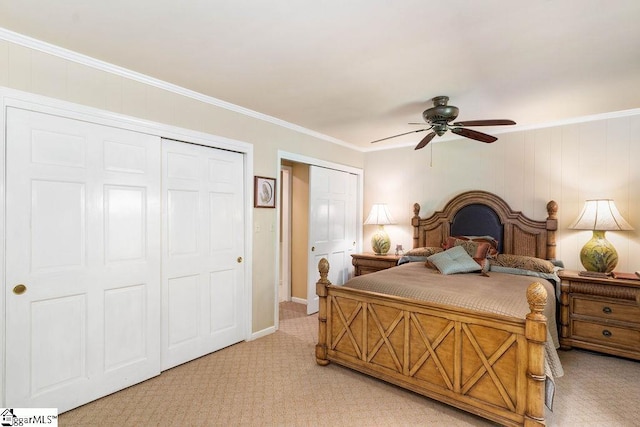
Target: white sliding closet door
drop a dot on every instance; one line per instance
(82, 260)
(332, 227)
(203, 247)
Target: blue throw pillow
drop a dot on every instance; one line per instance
(454, 260)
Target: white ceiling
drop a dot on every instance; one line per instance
(359, 70)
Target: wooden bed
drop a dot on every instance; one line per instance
(487, 364)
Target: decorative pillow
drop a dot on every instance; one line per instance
(429, 264)
(493, 243)
(410, 258)
(454, 260)
(479, 251)
(523, 262)
(522, 272)
(425, 252)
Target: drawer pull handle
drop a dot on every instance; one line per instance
(606, 333)
(607, 310)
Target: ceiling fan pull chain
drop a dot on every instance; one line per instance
(431, 157)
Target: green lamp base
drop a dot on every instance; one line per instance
(598, 254)
(380, 242)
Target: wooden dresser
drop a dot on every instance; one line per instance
(369, 262)
(600, 314)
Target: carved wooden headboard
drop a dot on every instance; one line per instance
(481, 213)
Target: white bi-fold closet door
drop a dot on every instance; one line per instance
(82, 238)
(99, 269)
(332, 226)
(202, 270)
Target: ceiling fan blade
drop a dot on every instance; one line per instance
(395, 136)
(474, 134)
(427, 139)
(497, 122)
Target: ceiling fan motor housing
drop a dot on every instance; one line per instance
(440, 113)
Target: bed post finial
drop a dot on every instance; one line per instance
(552, 209)
(415, 222)
(321, 290)
(552, 226)
(323, 268)
(537, 299)
(536, 335)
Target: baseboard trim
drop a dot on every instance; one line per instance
(299, 300)
(262, 333)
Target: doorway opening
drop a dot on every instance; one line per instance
(293, 234)
(294, 230)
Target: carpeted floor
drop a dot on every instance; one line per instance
(275, 381)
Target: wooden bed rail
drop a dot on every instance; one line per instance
(529, 336)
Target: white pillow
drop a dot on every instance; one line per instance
(454, 260)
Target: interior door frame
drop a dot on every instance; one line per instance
(28, 101)
(298, 158)
(285, 236)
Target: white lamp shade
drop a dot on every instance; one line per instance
(601, 215)
(379, 215)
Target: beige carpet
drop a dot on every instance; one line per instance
(274, 381)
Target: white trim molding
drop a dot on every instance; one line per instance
(88, 61)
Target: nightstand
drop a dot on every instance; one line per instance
(600, 314)
(369, 262)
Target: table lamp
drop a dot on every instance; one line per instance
(380, 216)
(598, 254)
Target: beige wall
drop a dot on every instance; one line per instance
(569, 163)
(299, 230)
(33, 71)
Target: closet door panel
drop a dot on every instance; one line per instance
(332, 232)
(83, 225)
(203, 277)
(125, 336)
(125, 231)
(58, 225)
(183, 312)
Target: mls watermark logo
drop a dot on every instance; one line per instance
(20, 417)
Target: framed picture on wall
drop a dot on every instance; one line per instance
(264, 192)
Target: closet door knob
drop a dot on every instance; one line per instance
(239, 259)
(19, 289)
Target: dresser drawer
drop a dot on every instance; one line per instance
(606, 309)
(606, 334)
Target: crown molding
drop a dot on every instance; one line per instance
(88, 61)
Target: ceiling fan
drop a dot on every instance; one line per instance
(438, 118)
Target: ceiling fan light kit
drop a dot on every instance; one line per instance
(441, 114)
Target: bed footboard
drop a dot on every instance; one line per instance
(486, 364)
